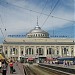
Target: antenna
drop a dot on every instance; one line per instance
(37, 20)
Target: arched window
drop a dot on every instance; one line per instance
(6, 52)
(36, 35)
(57, 52)
(49, 51)
(29, 51)
(40, 51)
(13, 50)
(21, 52)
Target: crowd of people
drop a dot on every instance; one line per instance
(65, 62)
(3, 66)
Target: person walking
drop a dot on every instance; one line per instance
(4, 68)
(0, 66)
(11, 66)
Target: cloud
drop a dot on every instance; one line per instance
(20, 20)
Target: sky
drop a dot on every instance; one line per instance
(18, 17)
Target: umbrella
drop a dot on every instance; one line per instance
(30, 59)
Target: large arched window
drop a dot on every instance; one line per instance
(6, 52)
(50, 51)
(21, 52)
(29, 51)
(40, 51)
(57, 52)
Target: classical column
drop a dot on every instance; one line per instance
(45, 51)
(35, 51)
(69, 51)
(60, 51)
(24, 51)
(19, 53)
(8, 51)
(55, 51)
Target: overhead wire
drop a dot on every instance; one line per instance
(43, 8)
(2, 33)
(41, 13)
(62, 18)
(50, 13)
(1, 28)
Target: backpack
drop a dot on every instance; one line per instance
(11, 64)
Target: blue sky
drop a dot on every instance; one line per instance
(20, 16)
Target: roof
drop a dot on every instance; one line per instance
(37, 32)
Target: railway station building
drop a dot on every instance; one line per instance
(38, 44)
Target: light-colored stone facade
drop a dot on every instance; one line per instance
(38, 44)
(39, 47)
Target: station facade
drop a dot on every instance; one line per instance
(38, 44)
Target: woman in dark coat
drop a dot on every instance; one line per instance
(4, 68)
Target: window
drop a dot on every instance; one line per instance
(50, 51)
(65, 51)
(40, 51)
(29, 51)
(11, 51)
(57, 52)
(6, 52)
(21, 52)
(37, 51)
(43, 34)
(36, 35)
